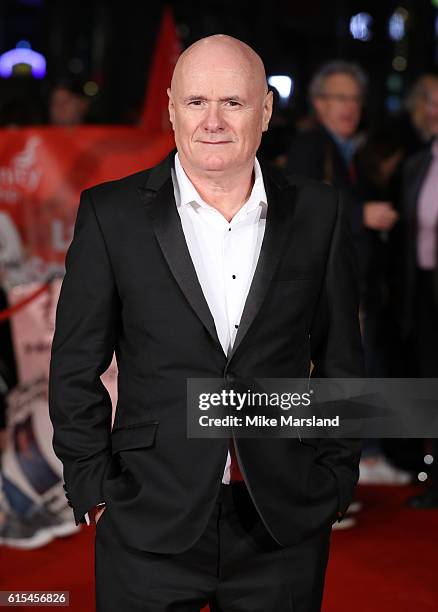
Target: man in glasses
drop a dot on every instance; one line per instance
(327, 151)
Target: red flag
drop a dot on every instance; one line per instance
(155, 117)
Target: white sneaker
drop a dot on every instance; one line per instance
(346, 523)
(16, 533)
(354, 507)
(377, 470)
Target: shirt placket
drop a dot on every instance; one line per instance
(234, 280)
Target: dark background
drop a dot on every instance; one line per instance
(111, 43)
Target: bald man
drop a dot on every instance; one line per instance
(208, 265)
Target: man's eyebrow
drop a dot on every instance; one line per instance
(236, 98)
(192, 98)
(204, 98)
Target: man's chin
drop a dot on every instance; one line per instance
(215, 164)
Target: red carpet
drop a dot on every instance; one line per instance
(387, 563)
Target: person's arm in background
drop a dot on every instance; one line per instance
(83, 345)
(336, 346)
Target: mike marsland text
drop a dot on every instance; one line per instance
(263, 421)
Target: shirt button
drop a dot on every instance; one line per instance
(234, 276)
(236, 326)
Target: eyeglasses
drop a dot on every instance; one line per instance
(343, 99)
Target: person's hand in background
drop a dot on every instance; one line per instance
(379, 216)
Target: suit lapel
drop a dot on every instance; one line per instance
(159, 197)
(281, 205)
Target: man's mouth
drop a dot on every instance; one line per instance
(214, 142)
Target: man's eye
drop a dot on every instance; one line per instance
(233, 103)
(195, 102)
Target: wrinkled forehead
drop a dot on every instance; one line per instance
(225, 73)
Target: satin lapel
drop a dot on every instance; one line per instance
(281, 206)
(168, 230)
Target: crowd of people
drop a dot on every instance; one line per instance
(389, 177)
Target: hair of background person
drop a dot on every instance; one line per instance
(316, 87)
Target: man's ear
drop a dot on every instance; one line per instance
(171, 108)
(267, 110)
(318, 105)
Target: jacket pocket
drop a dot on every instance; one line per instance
(137, 435)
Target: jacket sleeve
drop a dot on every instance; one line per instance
(336, 347)
(82, 349)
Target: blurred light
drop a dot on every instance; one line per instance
(21, 57)
(396, 26)
(428, 459)
(23, 44)
(360, 26)
(91, 88)
(436, 26)
(422, 476)
(393, 104)
(399, 63)
(435, 3)
(283, 84)
(394, 83)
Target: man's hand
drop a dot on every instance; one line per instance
(379, 216)
(95, 513)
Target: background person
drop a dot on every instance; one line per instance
(328, 152)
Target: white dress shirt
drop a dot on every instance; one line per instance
(224, 254)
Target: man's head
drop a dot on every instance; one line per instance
(219, 105)
(336, 92)
(68, 104)
(422, 104)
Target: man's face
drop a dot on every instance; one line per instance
(340, 105)
(431, 111)
(218, 114)
(66, 108)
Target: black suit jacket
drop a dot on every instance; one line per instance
(130, 286)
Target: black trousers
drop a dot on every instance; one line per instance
(235, 566)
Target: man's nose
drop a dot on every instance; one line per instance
(213, 121)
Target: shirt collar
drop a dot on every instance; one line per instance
(189, 195)
(347, 146)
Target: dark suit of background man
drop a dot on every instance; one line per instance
(329, 152)
(420, 269)
(205, 266)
